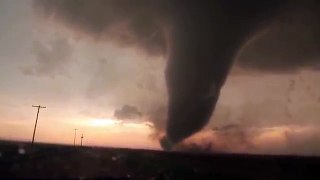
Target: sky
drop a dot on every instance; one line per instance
(83, 82)
(42, 64)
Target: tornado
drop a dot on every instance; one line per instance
(204, 39)
(200, 39)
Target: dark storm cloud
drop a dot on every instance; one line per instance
(290, 44)
(127, 112)
(126, 22)
(51, 58)
(287, 46)
(203, 39)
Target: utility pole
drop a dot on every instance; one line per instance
(81, 139)
(35, 125)
(74, 139)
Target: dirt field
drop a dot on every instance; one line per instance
(20, 160)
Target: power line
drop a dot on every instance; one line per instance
(35, 125)
(74, 139)
(81, 139)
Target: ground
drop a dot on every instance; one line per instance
(21, 160)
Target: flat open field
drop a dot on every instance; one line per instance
(19, 160)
